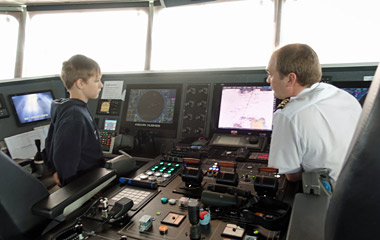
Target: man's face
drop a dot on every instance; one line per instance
(278, 84)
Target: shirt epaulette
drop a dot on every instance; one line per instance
(283, 103)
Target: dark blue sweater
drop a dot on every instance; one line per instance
(72, 144)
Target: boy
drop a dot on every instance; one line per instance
(72, 143)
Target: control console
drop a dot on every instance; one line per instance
(210, 192)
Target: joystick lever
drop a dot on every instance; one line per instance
(193, 208)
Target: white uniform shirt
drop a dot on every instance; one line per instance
(314, 130)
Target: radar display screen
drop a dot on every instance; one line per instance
(152, 108)
(151, 105)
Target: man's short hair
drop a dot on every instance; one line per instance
(300, 59)
(78, 66)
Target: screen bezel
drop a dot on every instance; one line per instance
(216, 109)
(17, 116)
(3, 108)
(165, 130)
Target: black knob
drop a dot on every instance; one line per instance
(203, 90)
(202, 104)
(189, 104)
(191, 90)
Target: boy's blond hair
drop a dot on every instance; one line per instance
(78, 66)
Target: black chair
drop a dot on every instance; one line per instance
(26, 207)
(354, 209)
(19, 191)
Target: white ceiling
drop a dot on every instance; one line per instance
(29, 2)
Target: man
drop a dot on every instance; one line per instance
(314, 125)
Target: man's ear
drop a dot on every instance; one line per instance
(292, 79)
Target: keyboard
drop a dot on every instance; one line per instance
(139, 196)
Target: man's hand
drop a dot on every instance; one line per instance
(294, 177)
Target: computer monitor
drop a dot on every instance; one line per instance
(31, 107)
(110, 124)
(153, 108)
(244, 109)
(356, 88)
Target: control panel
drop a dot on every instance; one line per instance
(195, 110)
(106, 139)
(210, 192)
(161, 173)
(249, 207)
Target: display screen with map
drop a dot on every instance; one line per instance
(246, 108)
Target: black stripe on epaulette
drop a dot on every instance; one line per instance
(283, 103)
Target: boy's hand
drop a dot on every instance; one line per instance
(56, 179)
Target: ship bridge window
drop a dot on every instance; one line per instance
(221, 34)
(340, 31)
(8, 45)
(114, 38)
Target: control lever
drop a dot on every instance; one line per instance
(39, 166)
(266, 185)
(230, 190)
(228, 178)
(121, 207)
(192, 177)
(104, 207)
(193, 208)
(215, 199)
(241, 154)
(78, 228)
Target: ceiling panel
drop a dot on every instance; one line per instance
(29, 2)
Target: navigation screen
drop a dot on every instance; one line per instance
(110, 124)
(246, 107)
(358, 92)
(151, 105)
(32, 107)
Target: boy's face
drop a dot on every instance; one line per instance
(92, 87)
